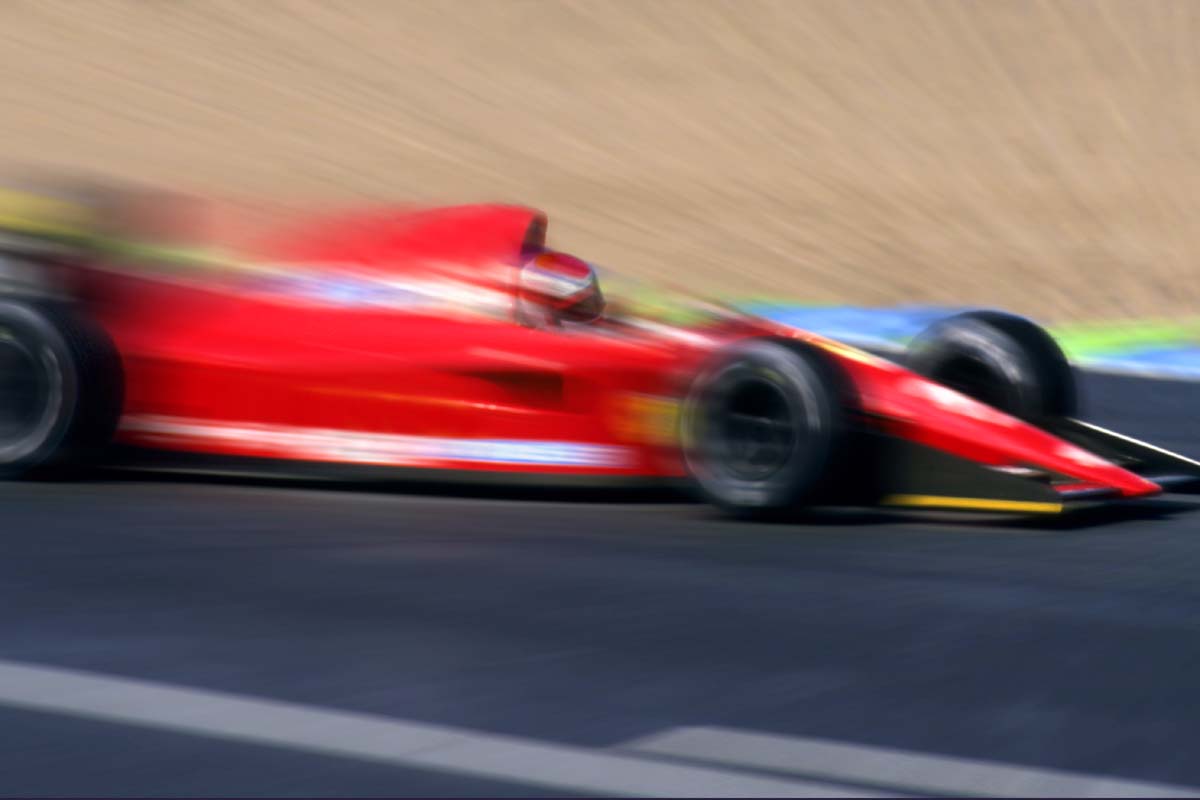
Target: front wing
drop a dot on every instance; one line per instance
(908, 474)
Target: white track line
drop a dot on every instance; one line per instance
(896, 769)
(381, 739)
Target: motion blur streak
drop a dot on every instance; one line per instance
(345, 277)
(879, 152)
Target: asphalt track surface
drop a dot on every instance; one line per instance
(1071, 645)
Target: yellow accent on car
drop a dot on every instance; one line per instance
(33, 214)
(845, 350)
(972, 503)
(649, 418)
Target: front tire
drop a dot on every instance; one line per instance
(762, 428)
(60, 389)
(1000, 359)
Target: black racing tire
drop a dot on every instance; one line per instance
(1000, 359)
(61, 390)
(762, 428)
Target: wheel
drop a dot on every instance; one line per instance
(60, 389)
(762, 427)
(1003, 360)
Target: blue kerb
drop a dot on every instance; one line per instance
(890, 325)
(894, 326)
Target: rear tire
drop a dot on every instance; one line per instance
(762, 428)
(60, 389)
(1000, 359)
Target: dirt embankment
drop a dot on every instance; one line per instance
(1039, 156)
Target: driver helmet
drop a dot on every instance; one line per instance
(564, 287)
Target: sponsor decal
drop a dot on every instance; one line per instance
(344, 287)
(649, 418)
(360, 447)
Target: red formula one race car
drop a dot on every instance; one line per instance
(451, 341)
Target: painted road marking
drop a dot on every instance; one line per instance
(897, 770)
(381, 739)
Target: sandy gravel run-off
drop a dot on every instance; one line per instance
(1041, 156)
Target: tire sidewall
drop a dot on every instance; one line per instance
(53, 357)
(811, 407)
(1028, 370)
(1002, 357)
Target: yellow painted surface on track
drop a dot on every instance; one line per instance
(972, 503)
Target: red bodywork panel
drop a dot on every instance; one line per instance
(922, 411)
(389, 338)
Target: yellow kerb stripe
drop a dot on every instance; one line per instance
(972, 503)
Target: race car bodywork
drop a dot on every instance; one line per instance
(394, 339)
